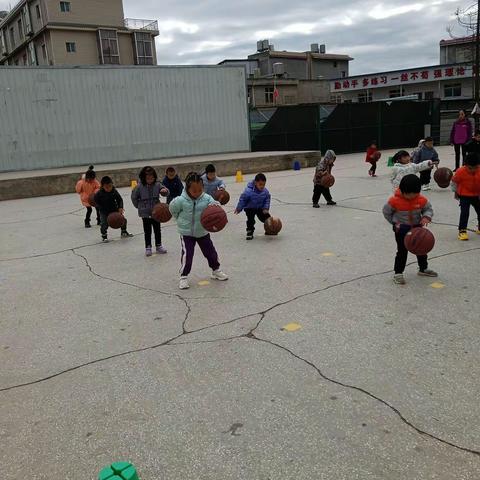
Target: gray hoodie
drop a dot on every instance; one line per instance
(145, 197)
(324, 165)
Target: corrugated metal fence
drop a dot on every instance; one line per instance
(55, 117)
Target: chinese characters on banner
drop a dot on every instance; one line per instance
(412, 76)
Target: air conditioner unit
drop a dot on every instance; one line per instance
(314, 48)
(265, 44)
(259, 45)
(323, 48)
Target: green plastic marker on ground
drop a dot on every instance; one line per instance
(119, 471)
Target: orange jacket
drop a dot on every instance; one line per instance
(399, 210)
(85, 188)
(467, 182)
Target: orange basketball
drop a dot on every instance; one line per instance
(419, 241)
(91, 199)
(327, 181)
(214, 218)
(272, 226)
(443, 177)
(222, 196)
(116, 220)
(161, 213)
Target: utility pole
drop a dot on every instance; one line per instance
(477, 67)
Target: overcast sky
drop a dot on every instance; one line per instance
(380, 35)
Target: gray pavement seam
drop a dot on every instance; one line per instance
(43, 218)
(369, 394)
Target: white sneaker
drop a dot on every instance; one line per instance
(426, 187)
(183, 283)
(219, 275)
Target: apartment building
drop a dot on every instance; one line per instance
(75, 32)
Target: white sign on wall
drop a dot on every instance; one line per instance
(407, 77)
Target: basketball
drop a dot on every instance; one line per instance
(222, 196)
(272, 226)
(419, 241)
(214, 218)
(91, 199)
(161, 213)
(376, 156)
(443, 176)
(116, 220)
(327, 181)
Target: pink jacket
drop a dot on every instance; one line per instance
(85, 188)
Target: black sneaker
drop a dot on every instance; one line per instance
(249, 235)
(98, 221)
(125, 234)
(87, 224)
(331, 202)
(105, 239)
(316, 205)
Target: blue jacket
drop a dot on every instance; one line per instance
(175, 187)
(211, 187)
(145, 197)
(424, 153)
(254, 198)
(188, 212)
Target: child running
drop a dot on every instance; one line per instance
(466, 185)
(324, 166)
(187, 210)
(144, 197)
(372, 157)
(88, 185)
(108, 201)
(255, 200)
(211, 182)
(404, 166)
(405, 210)
(172, 181)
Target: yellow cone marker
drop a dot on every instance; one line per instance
(133, 184)
(328, 254)
(239, 176)
(437, 285)
(292, 327)
(204, 283)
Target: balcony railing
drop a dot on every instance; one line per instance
(137, 24)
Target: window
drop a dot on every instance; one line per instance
(365, 97)
(337, 98)
(44, 51)
(109, 54)
(12, 38)
(452, 90)
(269, 94)
(20, 28)
(428, 96)
(65, 7)
(335, 64)
(144, 48)
(395, 93)
(463, 54)
(344, 74)
(71, 47)
(37, 9)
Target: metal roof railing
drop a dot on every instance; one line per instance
(138, 24)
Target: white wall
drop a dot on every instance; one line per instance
(55, 117)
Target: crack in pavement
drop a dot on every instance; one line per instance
(395, 410)
(73, 212)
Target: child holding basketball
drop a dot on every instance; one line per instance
(108, 201)
(172, 181)
(466, 185)
(211, 182)
(144, 197)
(404, 166)
(405, 210)
(187, 210)
(324, 166)
(372, 157)
(255, 200)
(87, 186)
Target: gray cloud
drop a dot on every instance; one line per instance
(380, 35)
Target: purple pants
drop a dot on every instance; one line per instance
(188, 249)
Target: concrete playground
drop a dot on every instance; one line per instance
(308, 363)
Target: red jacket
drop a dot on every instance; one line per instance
(400, 210)
(370, 152)
(467, 182)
